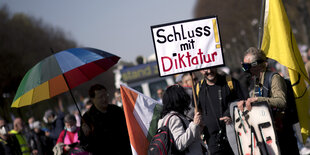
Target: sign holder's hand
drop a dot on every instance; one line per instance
(240, 105)
(249, 102)
(226, 119)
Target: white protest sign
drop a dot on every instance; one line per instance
(187, 45)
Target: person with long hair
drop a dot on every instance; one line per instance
(185, 134)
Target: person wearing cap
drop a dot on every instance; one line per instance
(55, 124)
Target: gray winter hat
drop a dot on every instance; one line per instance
(49, 113)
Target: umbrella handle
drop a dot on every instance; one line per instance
(73, 97)
(69, 89)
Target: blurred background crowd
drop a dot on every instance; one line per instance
(25, 40)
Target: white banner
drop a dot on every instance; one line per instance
(187, 45)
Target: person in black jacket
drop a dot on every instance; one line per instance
(216, 92)
(55, 124)
(37, 140)
(104, 129)
(7, 143)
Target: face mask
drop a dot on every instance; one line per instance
(31, 126)
(72, 129)
(45, 120)
(3, 130)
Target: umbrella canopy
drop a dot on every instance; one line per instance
(46, 79)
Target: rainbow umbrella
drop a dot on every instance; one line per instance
(61, 72)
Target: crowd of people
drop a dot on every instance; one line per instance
(59, 133)
(216, 90)
(102, 127)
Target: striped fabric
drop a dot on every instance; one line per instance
(142, 114)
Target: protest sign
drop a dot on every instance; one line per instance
(187, 45)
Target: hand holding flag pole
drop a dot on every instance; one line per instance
(194, 93)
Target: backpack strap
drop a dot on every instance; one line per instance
(183, 123)
(65, 133)
(267, 83)
(229, 82)
(198, 85)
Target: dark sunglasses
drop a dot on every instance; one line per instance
(247, 66)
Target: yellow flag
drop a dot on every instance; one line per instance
(279, 44)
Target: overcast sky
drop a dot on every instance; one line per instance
(119, 27)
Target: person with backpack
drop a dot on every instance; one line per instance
(272, 88)
(185, 134)
(215, 93)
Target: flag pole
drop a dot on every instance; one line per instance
(261, 25)
(194, 92)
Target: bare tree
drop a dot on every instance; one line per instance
(24, 42)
